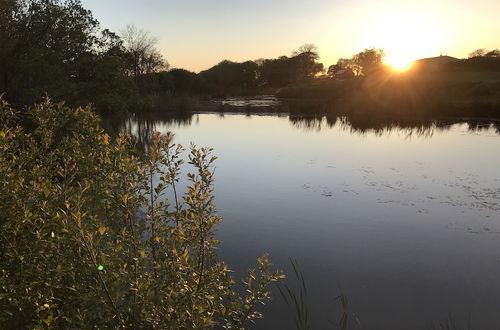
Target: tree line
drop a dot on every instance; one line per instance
(57, 48)
(480, 60)
(228, 77)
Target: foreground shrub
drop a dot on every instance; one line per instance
(88, 239)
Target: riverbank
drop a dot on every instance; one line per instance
(450, 94)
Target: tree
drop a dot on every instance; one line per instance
(367, 61)
(305, 63)
(276, 72)
(179, 81)
(301, 67)
(493, 53)
(144, 57)
(43, 42)
(342, 64)
(307, 48)
(56, 47)
(480, 60)
(477, 53)
(88, 239)
(229, 77)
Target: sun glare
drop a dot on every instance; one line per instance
(399, 62)
(405, 37)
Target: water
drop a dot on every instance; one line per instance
(266, 101)
(404, 221)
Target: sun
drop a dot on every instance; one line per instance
(399, 62)
(405, 37)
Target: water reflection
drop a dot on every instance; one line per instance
(381, 125)
(142, 125)
(407, 226)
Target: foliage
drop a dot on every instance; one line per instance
(228, 77)
(89, 240)
(305, 61)
(141, 52)
(367, 61)
(342, 64)
(364, 63)
(180, 81)
(480, 60)
(301, 67)
(232, 78)
(56, 47)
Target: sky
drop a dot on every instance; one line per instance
(197, 34)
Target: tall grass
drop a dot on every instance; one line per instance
(296, 300)
(450, 323)
(346, 317)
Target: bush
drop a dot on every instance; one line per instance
(87, 240)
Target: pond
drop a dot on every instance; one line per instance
(403, 220)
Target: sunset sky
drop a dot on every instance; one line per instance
(197, 34)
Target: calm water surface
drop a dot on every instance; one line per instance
(406, 224)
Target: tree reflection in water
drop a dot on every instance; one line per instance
(310, 116)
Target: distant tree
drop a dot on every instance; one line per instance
(307, 48)
(301, 67)
(180, 81)
(232, 77)
(493, 53)
(141, 49)
(480, 60)
(342, 64)
(276, 72)
(477, 53)
(305, 64)
(367, 61)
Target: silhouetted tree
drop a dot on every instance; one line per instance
(367, 61)
(480, 60)
(141, 49)
(42, 44)
(304, 63)
(342, 64)
(231, 77)
(301, 67)
(477, 53)
(55, 47)
(103, 80)
(276, 72)
(180, 81)
(306, 48)
(493, 53)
